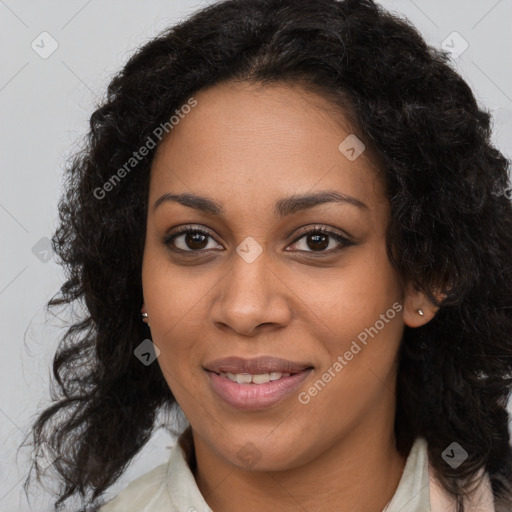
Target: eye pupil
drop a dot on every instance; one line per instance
(316, 237)
(191, 239)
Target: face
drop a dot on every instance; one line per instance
(258, 289)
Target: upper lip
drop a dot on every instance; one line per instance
(255, 366)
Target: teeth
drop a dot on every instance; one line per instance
(247, 378)
(261, 379)
(243, 378)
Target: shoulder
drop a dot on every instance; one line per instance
(170, 487)
(142, 491)
(482, 499)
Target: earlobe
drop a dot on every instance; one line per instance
(145, 317)
(418, 309)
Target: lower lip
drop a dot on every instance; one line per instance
(252, 397)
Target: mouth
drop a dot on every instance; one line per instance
(260, 378)
(254, 384)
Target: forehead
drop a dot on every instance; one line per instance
(245, 143)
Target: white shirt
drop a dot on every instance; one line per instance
(171, 487)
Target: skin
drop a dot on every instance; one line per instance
(246, 146)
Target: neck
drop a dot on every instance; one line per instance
(337, 479)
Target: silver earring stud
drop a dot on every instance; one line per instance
(420, 312)
(145, 319)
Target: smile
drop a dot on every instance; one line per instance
(247, 378)
(247, 392)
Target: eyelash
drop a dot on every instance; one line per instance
(167, 240)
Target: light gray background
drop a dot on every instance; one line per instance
(44, 107)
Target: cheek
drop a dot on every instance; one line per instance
(175, 296)
(359, 323)
(354, 313)
(177, 305)
(349, 301)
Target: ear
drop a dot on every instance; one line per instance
(415, 302)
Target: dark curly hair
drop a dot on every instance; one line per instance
(450, 230)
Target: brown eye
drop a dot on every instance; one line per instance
(195, 240)
(319, 239)
(189, 240)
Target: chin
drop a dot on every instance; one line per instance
(264, 455)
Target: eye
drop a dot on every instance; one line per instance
(188, 239)
(317, 240)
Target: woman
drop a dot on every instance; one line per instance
(290, 221)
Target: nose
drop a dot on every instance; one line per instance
(251, 297)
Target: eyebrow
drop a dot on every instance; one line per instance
(283, 207)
